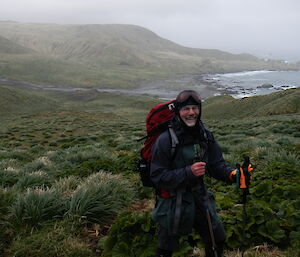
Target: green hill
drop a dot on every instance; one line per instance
(17, 101)
(9, 47)
(111, 55)
(224, 107)
(113, 44)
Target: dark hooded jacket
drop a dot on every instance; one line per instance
(173, 172)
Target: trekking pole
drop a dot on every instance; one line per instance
(207, 213)
(199, 158)
(243, 183)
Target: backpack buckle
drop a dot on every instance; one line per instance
(171, 106)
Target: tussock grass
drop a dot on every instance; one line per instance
(67, 185)
(76, 154)
(7, 197)
(9, 177)
(65, 150)
(51, 240)
(37, 165)
(37, 206)
(283, 156)
(33, 180)
(100, 197)
(16, 154)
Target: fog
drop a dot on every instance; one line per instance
(265, 28)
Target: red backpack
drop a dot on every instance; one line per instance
(157, 121)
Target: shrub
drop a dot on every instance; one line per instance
(132, 234)
(261, 226)
(100, 197)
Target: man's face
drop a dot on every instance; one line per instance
(189, 114)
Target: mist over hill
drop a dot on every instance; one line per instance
(105, 43)
(9, 47)
(108, 55)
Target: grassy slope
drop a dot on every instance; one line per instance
(92, 131)
(17, 101)
(105, 43)
(110, 55)
(284, 102)
(9, 47)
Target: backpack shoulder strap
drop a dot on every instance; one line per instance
(174, 140)
(204, 131)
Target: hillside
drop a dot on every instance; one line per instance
(112, 55)
(9, 47)
(225, 107)
(62, 173)
(16, 101)
(106, 43)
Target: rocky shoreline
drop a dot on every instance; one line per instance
(208, 85)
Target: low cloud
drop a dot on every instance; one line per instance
(266, 28)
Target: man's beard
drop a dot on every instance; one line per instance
(190, 121)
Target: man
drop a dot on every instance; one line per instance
(183, 203)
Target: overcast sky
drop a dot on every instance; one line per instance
(265, 28)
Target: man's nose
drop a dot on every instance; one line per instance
(191, 111)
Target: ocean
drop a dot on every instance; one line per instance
(250, 83)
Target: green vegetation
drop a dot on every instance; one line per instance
(108, 56)
(67, 174)
(9, 47)
(283, 102)
(17, 101)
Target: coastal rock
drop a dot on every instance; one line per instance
(266, 85)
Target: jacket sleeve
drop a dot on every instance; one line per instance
(217, 166)
(161, 173)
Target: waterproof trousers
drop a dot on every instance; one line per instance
(171, 242)
(163, 253)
